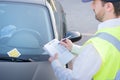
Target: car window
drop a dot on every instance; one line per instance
(26, 27)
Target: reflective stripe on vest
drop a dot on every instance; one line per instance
(118, 76)
(110, 39)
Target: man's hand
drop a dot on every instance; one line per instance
(67, 43)
(52, 58)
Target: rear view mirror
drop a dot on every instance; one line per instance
(74, 36)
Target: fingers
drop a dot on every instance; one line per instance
(52, 58)
(67, 43)
(64, 44)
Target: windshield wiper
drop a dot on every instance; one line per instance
(14, 59)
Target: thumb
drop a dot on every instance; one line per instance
(50, 59)
(56, 56)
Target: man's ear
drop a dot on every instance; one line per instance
(109, 7)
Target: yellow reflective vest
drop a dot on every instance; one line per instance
(107, 43)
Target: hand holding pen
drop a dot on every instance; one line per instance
(67, 43)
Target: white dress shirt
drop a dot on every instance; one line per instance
(88, 61)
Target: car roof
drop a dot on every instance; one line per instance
(27, 1)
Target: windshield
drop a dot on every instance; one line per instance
(26, 27)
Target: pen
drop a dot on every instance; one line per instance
(66, 38)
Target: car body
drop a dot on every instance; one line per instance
(25, 27)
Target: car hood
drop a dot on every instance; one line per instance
(26, 71)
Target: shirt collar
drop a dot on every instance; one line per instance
(109, 23)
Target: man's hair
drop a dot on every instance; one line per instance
(116, 5)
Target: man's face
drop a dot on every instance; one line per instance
(99, 10)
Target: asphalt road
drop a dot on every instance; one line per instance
(80, 17)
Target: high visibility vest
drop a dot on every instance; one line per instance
(107, 43)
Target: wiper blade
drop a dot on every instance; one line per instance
(14, 59)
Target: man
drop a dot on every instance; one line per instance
(99, 57)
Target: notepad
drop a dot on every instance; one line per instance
(54, 46)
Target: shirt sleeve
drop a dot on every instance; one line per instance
(75, 49)
(85, 66)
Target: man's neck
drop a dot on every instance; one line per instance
(110, 23)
